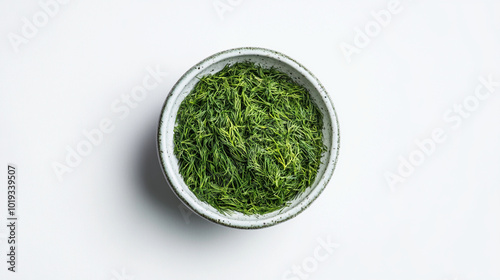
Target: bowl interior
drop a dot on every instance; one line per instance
(267, 59)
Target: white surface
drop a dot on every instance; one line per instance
(114, 218)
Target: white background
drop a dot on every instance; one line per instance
(114, 217)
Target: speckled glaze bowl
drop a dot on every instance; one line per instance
(265, 58)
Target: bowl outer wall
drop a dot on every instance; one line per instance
(168, 160)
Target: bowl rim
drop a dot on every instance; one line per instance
(219, 218)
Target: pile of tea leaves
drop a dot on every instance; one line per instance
(248, 139)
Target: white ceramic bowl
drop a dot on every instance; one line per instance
(265, 58)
